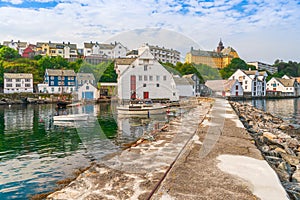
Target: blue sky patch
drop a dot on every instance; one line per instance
(30, 4)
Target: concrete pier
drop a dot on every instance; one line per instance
(197, 157)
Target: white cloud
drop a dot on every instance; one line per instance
(13, 1)
(259, 22)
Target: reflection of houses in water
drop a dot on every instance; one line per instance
(133, 127)
(18, 117)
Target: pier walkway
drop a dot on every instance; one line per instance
(204, 154)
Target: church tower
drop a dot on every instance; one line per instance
(220, 47)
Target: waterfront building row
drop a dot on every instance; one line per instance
(253, 84)
(92, 52)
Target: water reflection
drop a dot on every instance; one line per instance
(287, 109)
(35, 152)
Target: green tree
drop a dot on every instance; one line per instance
(7, 53)
(235, 64)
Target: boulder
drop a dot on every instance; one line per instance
(269, 135)
(292, 160)
(279, 150)
(292, 143)
(284, 127)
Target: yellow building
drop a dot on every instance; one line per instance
(216, 59)
(65, 50)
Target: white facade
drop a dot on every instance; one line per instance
(225, 88)
(286, 87)
(19, 46)
(184, 87)
(112, 50)
(165, 55)
(87, 92)
(144, 77)
(252, 81)
(17, 83)
(263, 66)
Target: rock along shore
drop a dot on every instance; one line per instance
(205, 153)
(278, 141)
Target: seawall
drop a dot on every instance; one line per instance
(195, 156)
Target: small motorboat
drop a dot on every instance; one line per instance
(141, 108)
(71, 117)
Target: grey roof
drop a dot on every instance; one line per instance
(124, 61)
(205, 53)
(181, 81)
(57, 45)
(18, 75)
(85, 76)
(220, 85)
(286, 82)
(253, 72)
(60, 72)
(20, 44)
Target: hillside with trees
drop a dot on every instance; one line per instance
(12, 62)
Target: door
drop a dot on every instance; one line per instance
(146, 95)
(236, 93)
(133, 87)
(89, 95)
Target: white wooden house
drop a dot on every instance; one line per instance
(225, 88)
(184, 86)
(252, 81)
(18, 82)
(283, 86)
(144, 77)
(87, 91)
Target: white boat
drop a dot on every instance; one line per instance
(141, 108)
(71, 117)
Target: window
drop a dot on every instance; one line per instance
(59, 78)
(150, 78)
(18, 80)
(27, 85)
(52, 77)
(52, 83)
(8, 85)
(27, 80)
(174, 93)
(165, 78)
(59, 89)
(144, 85)
(9, 80)
(87, 87)
(157, 85)
(52, 89)
(246, 82)
(157, 78)
(145, 67)
(140, 78)
(145, 78)
(244, 77)
(236, 87)
(246, 87)
(18, 85)
(71, 89)
(52, 51)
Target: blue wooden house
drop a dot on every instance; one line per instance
(58, 81)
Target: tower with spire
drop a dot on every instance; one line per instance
(220, 47)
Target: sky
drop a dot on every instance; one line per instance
(259, 30)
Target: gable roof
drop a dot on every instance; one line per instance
(286, 82)
(124, 61)
(57, 45)
(181, 81)
(18, 75)
(253, 72)
(220, 85)
(60, 72)
(85, 76)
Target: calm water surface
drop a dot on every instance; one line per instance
(35, 152)
(287, 109)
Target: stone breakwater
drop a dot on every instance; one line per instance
(278, 143)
